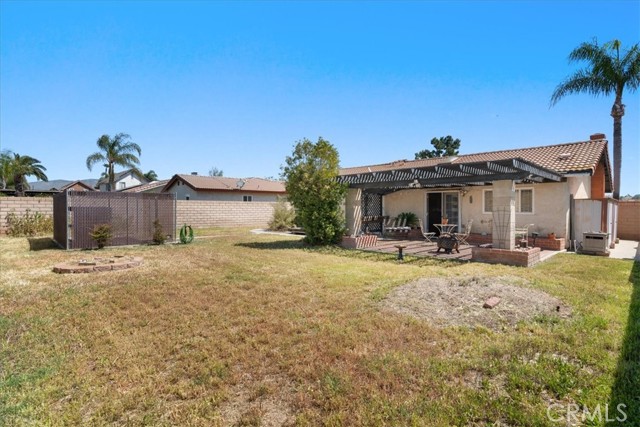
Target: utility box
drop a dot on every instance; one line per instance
(595, 242)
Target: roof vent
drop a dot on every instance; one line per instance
(564, 156)
(194, 173)
(597, 136)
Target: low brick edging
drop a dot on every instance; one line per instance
(545, 242)
(98, 265)
(522, 258)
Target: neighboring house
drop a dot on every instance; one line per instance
(196, 187)
(58, 185)
(558, 188)
(122, 180)
(151, 187)
(77, 186)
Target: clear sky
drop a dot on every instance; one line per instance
(235, 84)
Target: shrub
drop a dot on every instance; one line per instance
(28, 224)
(101, 233)
(412, 219)
(158, 234)
(283, 216)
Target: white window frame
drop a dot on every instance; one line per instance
(248, 198)
(518, 200)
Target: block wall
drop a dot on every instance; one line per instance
(208, 213)
(629, 220)
(20, 205)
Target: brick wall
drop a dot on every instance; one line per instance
(210, 213)
(629, 220)
(19, 205)
(503, 256)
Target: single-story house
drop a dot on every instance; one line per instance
(198, 187)
(557, 189)
(122, 180)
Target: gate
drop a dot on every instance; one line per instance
(371, 206)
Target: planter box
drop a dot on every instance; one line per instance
(522, 258)
(364, 241)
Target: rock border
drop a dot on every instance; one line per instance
(98, 264)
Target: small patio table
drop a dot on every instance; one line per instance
(445, 228)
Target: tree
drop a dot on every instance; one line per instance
(116, 151)
(22, 167)
(310, 179)
(214, 171)
(606, 73)
(5, 169)
(444, 146)
(151, 175)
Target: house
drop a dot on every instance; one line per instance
(197, 187)
(122, 180)
(557, 189)
(151, 187)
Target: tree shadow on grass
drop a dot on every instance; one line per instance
(278, 244)
(42, 243)
(626, 388)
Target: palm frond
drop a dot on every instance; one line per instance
(95, 158)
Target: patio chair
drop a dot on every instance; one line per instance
(430, 236)
(400, 225)
(523, 232)
(391, 223)
(462, 237)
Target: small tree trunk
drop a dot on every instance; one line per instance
(17, 180)
(617, 111)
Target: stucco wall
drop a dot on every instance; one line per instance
(550, 207)
(182, 191)
(19, 205)
(579, 186)
(129, 180)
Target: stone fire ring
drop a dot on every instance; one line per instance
(98, 264)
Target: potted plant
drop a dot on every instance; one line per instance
(411, 219)
(552, 236)
(445, 219)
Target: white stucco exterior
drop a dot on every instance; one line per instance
(126, 181)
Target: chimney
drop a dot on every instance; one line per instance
(597, 136)
(194, 173)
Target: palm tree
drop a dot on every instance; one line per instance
(606, 73)
(151, 175)
(22, 167)
(5, 169)
(116, 151)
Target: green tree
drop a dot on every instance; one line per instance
(5, 169)
(606, 73)
(21, 167)
(310, 179)
(116, 151)
(151, 175)
(214, 171)
(443, 147)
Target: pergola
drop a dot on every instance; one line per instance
(501, 174)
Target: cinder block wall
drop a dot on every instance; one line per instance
(210, 213)
(20, 205)
(629, 220)
(197, 213)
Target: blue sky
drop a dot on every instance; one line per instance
(235, 84)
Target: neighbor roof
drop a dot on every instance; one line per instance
(575, 157)
(145, 187)
(223, 183)
(116, 177)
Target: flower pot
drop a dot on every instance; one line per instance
(445, 220)
(552, 236)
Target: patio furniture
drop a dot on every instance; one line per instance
(448, 242)
(523, 233)
(462, 237)
(446, 229)
(391, 223)
(428, 235)
(400, 225)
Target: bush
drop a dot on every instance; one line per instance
(412, 219)
(158, 235)
(101, 233)
(283, 216)
(29, 224)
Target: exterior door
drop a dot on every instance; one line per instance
(439, 203)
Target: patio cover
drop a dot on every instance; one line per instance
(451, 174)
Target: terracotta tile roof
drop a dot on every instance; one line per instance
(145, 187)
(581, 156)
(223, 183)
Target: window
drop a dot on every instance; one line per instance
(122, 185)
(524, 200)
(247, 198)
(487, 203)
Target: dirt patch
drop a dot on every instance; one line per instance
(459, 302)
(262, 402)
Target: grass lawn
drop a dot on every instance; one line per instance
(256, 329)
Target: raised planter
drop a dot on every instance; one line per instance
(364, 241)
(520, 257)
